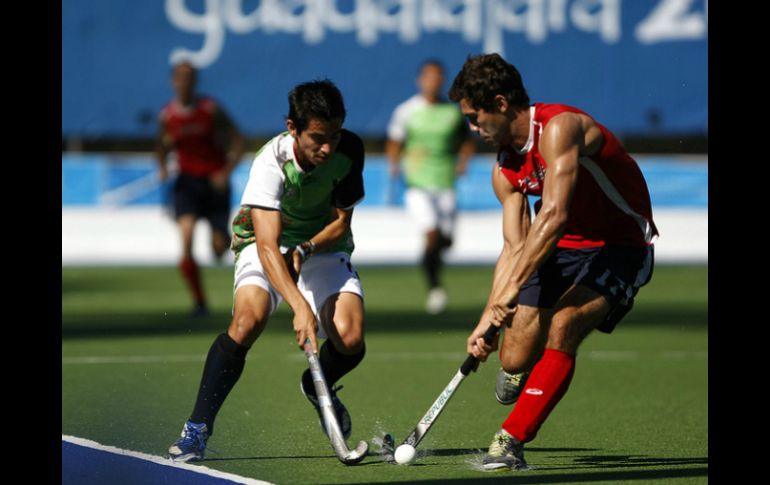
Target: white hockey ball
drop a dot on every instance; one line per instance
(405, 454)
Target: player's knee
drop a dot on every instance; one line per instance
(352, 343)
(514, 362)
(246, 326)
(351, 338)
(432, 240)
(220, 244)
(219, 252)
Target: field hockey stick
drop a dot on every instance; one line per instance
(419, 432)
(331, 425)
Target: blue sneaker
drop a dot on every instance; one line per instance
(191, 445)
(343, 417)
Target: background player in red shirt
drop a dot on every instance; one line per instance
(578, 265)
(208, 147)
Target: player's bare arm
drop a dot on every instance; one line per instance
(466, 151)
(516, 224)
(235, 145)
(561, 145)
(334, 230)
(330, 234)
(393, 150)
(269, 223)
(235, 142)
(163, 146)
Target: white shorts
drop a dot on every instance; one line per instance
(321, 276)
(432, 209)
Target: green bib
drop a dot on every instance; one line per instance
(430, 147)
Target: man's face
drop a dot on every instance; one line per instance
(492, 126)
(317, 142)
(430, 81)
(183, 80)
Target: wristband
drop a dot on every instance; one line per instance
(305, 250)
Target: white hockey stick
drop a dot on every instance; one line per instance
(419, 432)
(345, 455)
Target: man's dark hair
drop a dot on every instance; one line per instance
(319, 100)
(431, 61)
(485, 76)
(184, 63)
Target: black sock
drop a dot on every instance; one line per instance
(334, 365)
(431, 263)
(223, 367)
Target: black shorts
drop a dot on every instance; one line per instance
(615, 272)
(196, 196)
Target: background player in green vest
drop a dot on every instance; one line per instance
(431, 136)
(300, 195)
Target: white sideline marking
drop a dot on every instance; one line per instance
(603, 355)
(682, 354)
(133, 359)
(163, 461)
(401, 356)
(614, 355)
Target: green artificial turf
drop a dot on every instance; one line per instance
(636, 411)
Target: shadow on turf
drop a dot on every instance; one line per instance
(634, 461)
(249, 458)
(372, 458)
(475, 451)
(601, 463)
(531, 476)
(110, 325)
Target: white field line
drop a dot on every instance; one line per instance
(163, 461)
(133, 359)
(599, 355)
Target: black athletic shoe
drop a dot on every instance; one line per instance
(201, 310)
(343, 417)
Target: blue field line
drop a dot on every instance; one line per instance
(86, 462)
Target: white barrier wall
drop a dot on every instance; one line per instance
(148, 236)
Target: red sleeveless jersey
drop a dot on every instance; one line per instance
(610, 203)
(193, 132)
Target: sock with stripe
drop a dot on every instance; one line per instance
(545, 387)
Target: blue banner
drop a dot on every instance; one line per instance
(638, 66)
(131, 180)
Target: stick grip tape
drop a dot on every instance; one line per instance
(470, 362)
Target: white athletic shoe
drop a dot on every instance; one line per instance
(504, 452)
(436, 302)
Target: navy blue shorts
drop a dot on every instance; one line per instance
(615, 272)
(196, 196)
